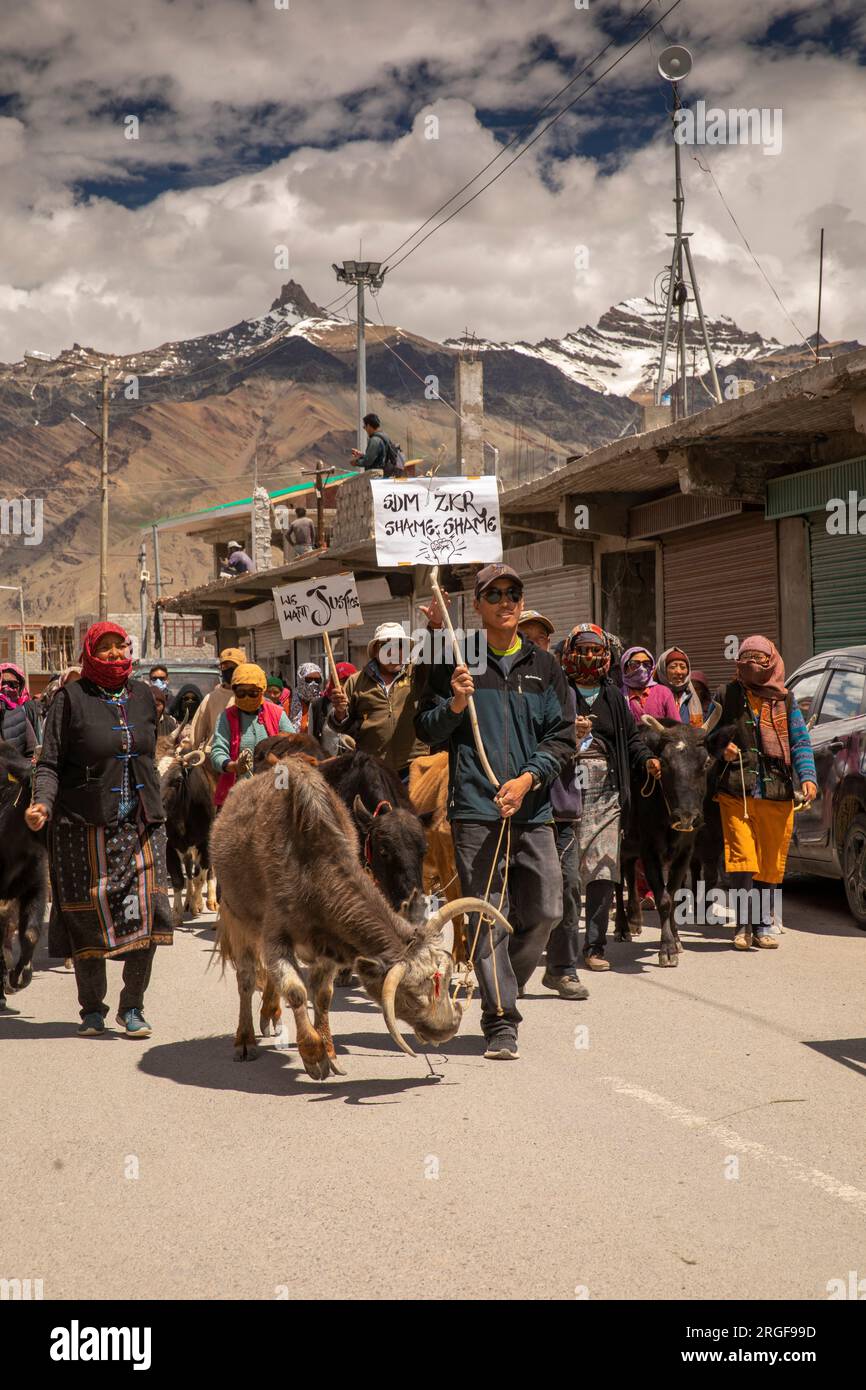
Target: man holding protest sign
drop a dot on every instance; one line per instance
(520, 702)
(377, 706)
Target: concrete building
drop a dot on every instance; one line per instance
(724, 523)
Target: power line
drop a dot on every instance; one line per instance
(515, 138)
(706, 170)
(568, 106)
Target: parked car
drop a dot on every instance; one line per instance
(205, 673)
(830, 835)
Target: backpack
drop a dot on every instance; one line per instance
(395, 460)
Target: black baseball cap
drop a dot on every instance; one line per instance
(484, 578)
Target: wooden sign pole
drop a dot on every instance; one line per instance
(332, 663)
(473, 717)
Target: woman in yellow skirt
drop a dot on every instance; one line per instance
(768, 759)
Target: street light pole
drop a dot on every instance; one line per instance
(361, 348)
(103, 517)
(102, 436)
(360, 274)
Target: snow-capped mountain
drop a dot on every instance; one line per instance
(620, 355)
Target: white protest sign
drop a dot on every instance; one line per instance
(436, 521)
(317, 605)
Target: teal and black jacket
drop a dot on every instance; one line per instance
(524, 728)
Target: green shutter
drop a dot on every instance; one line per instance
(838, 587)
(801, 493)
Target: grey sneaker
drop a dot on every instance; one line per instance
(502, 1047)
(566, 986)
(91, 1026)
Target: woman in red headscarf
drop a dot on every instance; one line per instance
(768, 761)
(97, 790)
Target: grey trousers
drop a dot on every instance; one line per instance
(533, 906)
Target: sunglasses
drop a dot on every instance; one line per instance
(637, 665)
(759, 658)
(497, 595)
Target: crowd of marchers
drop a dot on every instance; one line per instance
(544, 752)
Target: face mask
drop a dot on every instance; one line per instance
(160, 683)
(638, 678)
(249, 703)
(226, 676)
(579, 666)
(589, 665)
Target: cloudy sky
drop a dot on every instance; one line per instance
(310, 124)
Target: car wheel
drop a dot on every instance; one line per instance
(854, 869)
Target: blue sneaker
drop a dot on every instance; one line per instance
(91, 1026)
(134, 1023)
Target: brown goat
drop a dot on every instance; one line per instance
(294, 891)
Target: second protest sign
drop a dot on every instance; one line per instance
(317, 605)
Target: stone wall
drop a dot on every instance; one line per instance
(353, 519)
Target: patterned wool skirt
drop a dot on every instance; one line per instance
(597, 831)
(109, 888)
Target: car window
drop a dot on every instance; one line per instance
(843, 697)
(805, 689)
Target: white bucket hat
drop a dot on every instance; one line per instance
(385, 632)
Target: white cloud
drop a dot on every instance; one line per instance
(196, 259)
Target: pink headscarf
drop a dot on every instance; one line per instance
(14, 702)
(767, 681)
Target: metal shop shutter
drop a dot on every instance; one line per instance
(720, 580)
(397, 611)
(267, 643)
(838, 586)
(564, 596)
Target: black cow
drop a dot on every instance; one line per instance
(664, 817)
(187, 799)
(23, 866)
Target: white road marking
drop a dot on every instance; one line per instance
(735, 1143)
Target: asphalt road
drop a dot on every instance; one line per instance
(685, 1133)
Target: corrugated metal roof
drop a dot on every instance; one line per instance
(674, 512)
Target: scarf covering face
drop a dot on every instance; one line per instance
(6, 698)
(696, 709)
(766, 681)
(576, 665)
(642, 678)
(304, 691)
(249, 674)
(768, 684)
(108, 675)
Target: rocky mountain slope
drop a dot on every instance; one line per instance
(193, 422)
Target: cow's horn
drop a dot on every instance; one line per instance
(389, 991)
(709, 724)
(458, 905)
(652, 723)
(194, 759)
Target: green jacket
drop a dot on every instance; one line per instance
(524, 728)
(381, 720)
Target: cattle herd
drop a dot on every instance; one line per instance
(327, 863)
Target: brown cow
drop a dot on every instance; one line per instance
(428, 788)
(293, 891)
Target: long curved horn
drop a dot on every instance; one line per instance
(709, 724)
(458, 905)
(389, 991)
(652, 723)
(193, 759)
